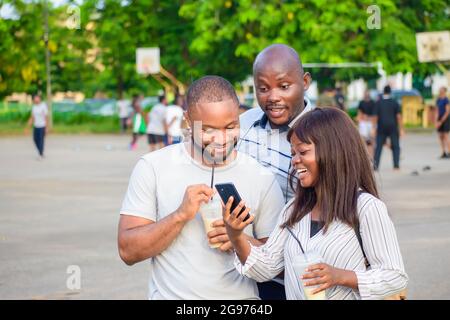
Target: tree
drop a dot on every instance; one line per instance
(320, 30)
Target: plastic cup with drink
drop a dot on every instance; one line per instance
(210, 212)
(300, 263)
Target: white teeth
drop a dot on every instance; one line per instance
(301, 171)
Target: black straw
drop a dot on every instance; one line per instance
(212, 175)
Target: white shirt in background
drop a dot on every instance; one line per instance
(156, 118)
(174, 112)
(39, 113)
(189, 268)
(124, 108)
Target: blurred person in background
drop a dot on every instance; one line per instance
(138, 122)
(39, 120)
(443, 122)
(366, 129)
(124, 114)
(389, 124)
(339, 99)
(157, 127)
(174, 119)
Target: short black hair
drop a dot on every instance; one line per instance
(161, 98)
(36, 94)
(387, 89)
(210, 89)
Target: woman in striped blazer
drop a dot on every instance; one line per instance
(336, 202)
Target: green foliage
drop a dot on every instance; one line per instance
(199, 37)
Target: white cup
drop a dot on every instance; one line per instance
(210, 212)
(300, 263)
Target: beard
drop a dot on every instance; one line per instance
(209, 154)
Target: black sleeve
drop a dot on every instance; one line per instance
(375, 108)
(397, 107)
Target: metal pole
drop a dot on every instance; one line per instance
(47, 65)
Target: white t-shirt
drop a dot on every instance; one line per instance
(188, 268)
(39, 112)
(174, 112)
(124, 108)
(157, 117)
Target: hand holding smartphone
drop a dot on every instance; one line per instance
(227, 190)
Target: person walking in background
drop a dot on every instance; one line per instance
(365, 113)
(157, 127)
(388, 118)
(443, 122)
(174, 119)
(39, 120)
(139, 124)
(124, 114)
(340, 99)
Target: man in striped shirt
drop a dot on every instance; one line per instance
(280, 83)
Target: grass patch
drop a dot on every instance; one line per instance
(13, 122)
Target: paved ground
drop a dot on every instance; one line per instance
(64, 211)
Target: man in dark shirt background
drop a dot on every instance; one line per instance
(340, 99)
(443, 122)
(388, 118)
(365, 113)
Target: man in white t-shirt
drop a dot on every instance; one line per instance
(174, 118)
(157, 128)
(39, 119)
(124, 113)
(159, 216)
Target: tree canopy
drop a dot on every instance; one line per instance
(198, 37)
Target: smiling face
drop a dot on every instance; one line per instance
(215, 129)
(280, 84)
(304, 162)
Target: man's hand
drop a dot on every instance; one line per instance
(219, 235)
(194, 196)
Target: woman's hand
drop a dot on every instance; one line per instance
(234, 222)
(326, 276)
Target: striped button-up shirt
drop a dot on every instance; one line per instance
(269, 146)
(339, 247)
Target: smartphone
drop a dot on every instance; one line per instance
(226, 190)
